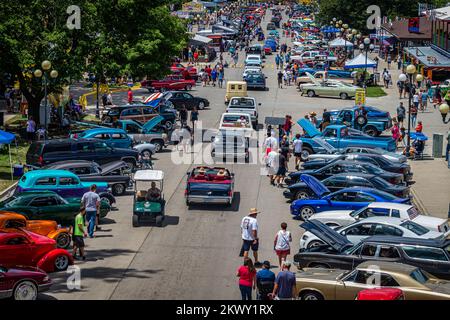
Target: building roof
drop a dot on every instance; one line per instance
(429, 57)
(441, 13)
(399, 29)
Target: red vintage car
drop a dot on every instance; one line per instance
(210, 185)
(178, 68)
(23, 283)
(32, 250)
(170, 82)
(381, 294)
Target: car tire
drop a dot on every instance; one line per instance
(25, 290)
(361, 120)
(311, 93)
(343, 96)
(311, 295)
(306, 152)
(106, 199)
(314, 243)
(147, 154)
(135, 221)
(61, 262)
(306, 212)
(119, 189)
(188, 87)
(371, 131)
(107, 119)
(302, 194)
(63, 240)
(168, 125)
(201, 105)
(159, 145)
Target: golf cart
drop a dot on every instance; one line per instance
(148, 208)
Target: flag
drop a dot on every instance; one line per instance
(152, 97)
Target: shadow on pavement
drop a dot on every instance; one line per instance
(219, 207)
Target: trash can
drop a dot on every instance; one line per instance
(438, 143)
(18, 170)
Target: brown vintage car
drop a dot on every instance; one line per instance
(14, 222)
(334, 284)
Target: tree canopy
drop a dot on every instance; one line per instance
(135, 37)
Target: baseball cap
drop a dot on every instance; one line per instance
(266, 263)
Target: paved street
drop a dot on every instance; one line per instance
(195, 255)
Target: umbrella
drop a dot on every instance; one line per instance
(7, 138)
(418, 136)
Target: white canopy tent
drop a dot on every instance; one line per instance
(360, 62)
(340, 43)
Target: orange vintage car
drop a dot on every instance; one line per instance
(13, 222)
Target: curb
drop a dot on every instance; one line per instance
(418, 203)
(7, 191)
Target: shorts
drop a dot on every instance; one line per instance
(247, 244)
(281, 171)
(400, 119)
(297, 154)
(283, 252)
(78, 241)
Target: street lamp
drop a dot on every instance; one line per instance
(46, 66)
(419, 80)
(443, 109)
(366, 46)
(410, 70)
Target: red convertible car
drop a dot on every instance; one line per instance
(170, 82)
(23, 283)
(32, 250)
(178, 68)
(210, 185)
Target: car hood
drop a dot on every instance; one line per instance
(153, 123)
(429, 221)
(328, 235)
(309, 128)
(314, 184)
(318, 273)
(107, 168)
(332, 214)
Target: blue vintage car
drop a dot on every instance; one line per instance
(115, 138)
(339, 137)
(345, 199)
(62, 182)
(375, 122)
(272, 44)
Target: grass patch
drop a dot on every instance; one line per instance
(375, 92)
(18, 155)
(91, 118)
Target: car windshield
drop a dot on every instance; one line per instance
(419, 276)
(13, 201)
(356, 213)
(414, 227)
(386, 196)
(372, 169)
(242, 103)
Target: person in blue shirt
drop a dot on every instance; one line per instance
(265, 281)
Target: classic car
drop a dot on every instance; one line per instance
(245, 105)
(329, 89)
(256, 49)
(345, 199)
(23, 283)
(251, 70)
(412, 282)
(182, 98)
(42, 153)
(267, 49)
(272, 44)
(14, 222)
(115, 138)
(170, 82)
(115, 173)
(63, 182)
(47, 205)
(207, 185)
(256, 81)
(237, 122)
(318, 75)
(337, 73)
(342, 166)
(382, 209)
(339, 137)
(300, 190)
(179, 68)
(338, 252)
(375, 226)
(376, 160)
(32, 250)
(230, 146)
(151, 132)
(335, 153)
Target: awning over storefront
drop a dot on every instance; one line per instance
(199, 40)
(429, 57)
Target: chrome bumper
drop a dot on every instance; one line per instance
(208, 199)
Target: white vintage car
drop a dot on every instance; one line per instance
(375, 226)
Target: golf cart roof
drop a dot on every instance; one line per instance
(149, 175)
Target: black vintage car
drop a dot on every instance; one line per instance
(343, 166)
(42, 153)
(180, 98)
(116, 174)
(377, 160)
(339, 253)
(300, 190)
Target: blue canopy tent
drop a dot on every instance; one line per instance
(330, 30)
(7, 138)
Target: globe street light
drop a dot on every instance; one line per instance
(443, 109)
(419, 80)
(410, 70)
(366, 46)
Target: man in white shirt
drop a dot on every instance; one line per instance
(270, 143)
(249, 228)
(298, 147)
(272, 165)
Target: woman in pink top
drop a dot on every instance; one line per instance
(247, 279)
(395, 132)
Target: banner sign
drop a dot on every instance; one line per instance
(413, 25)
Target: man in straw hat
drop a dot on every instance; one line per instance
(249, 227)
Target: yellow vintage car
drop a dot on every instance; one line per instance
(14, 222)
(235, 89)
(335, 284)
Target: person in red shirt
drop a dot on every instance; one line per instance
(196, 57)
(247, 279)
(130, 96)
(419, 127)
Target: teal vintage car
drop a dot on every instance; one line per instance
(47, 205)
(336, 89)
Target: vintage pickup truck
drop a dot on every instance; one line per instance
(209, 185)
(339, 136)
(374, 123)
